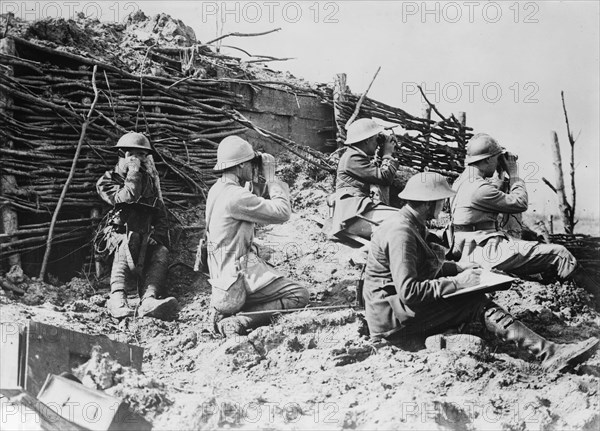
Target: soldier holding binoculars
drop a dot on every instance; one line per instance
(475, 210)
(356, 212)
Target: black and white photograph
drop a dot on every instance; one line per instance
(300, 215)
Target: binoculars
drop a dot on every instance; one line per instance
(381, 138)
(257, 160)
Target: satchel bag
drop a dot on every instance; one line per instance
(228, 294)
(257, 272)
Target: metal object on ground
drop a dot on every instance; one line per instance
(31, 352)
(24, 411)
(89, 408)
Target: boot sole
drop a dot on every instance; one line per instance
(580, 357)
(163, 311)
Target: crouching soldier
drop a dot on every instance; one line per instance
(407, 277)
(137, 230)
(241, 280)
(356, 211)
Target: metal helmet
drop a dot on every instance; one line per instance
(362, 129)
(481, 146)
(134, 140)
(233, 151)
(426, 186)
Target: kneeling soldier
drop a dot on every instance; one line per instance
(241, 280)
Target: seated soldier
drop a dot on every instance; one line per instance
(138, 235)
(232, 212)
(475, 210)
(356, 174)
(407, 277)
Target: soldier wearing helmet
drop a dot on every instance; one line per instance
(241, 280)
(356, 174)
(407, 279)
(475, 210)
(136, 231)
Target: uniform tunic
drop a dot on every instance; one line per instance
(406, 277)
(140, 217)
(232, 212)
(478, 202)
(355, 174)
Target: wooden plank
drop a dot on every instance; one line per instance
(9, 360)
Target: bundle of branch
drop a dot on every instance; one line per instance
(33, 236)
(51, 93)
(44, 133)
(42, 126)
(427, 144)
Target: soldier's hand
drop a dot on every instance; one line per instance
(268, 167)
(510, 160)
(133, 163)
(388, 147)
(468, 278)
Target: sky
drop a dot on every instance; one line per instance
(504, 63)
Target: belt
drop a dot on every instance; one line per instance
(486, 225)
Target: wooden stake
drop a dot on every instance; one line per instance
(70, 178)
(339, 95)
(360, 101)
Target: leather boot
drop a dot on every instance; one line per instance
(554, 357)
(583, 279)
(117, 305)
(241, 323)
(163, 309)
(262, 314)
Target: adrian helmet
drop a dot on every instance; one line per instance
(233, 151)
(134, 140)
(481, 146)
(362, 129)
(426, 186)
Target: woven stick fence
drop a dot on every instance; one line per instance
(436, 146)
(185, 118)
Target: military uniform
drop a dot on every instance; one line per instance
(232, 212)
(406, 277)
(138, 230)
(475, 210)
(355, 174)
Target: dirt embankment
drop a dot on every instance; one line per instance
(317, 369)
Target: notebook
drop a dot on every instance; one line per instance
(490, 282)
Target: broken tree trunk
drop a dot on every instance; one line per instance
(70, 178)
(572, 143)
(8, 183)
(565, 208)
